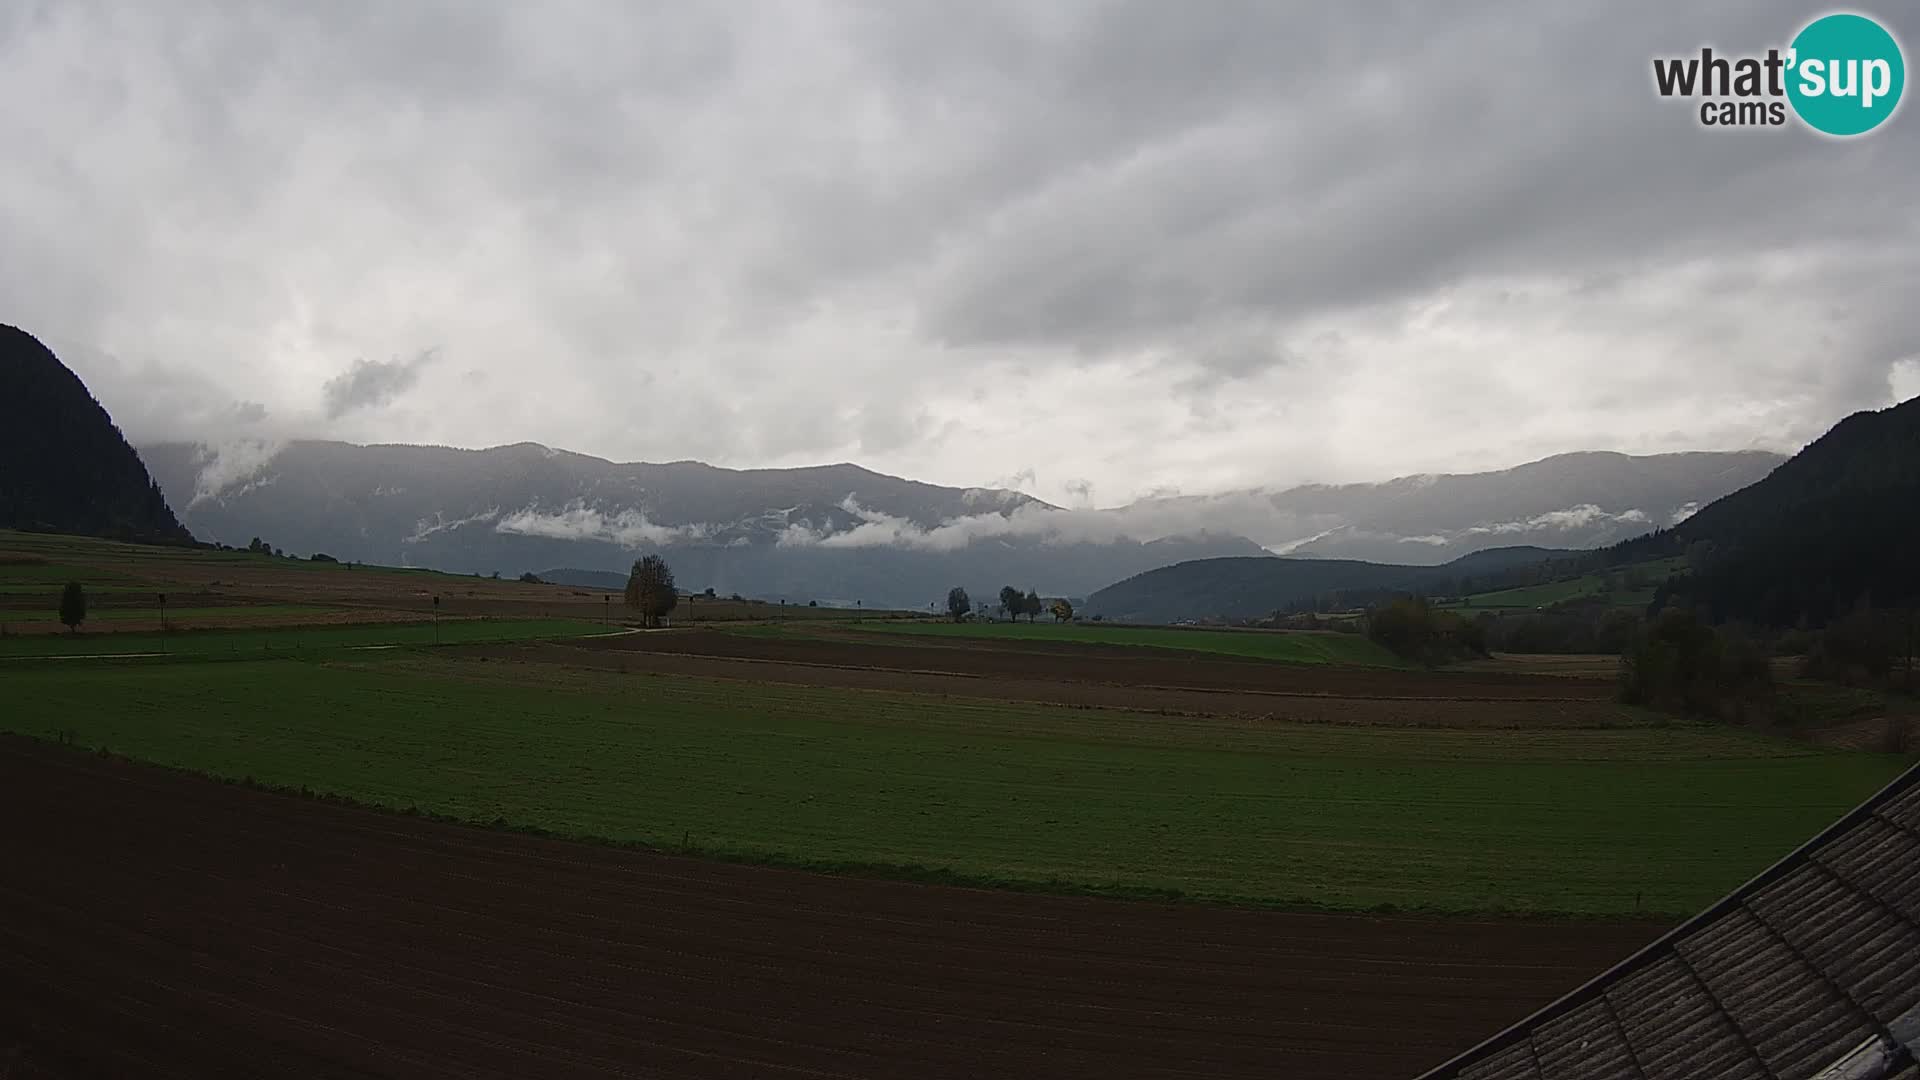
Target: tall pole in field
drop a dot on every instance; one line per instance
(606, 610)
(163, 624)
(1911, 627)
(436, 620)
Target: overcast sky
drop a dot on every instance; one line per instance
(1096, 249)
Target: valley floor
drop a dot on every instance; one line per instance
(158, 921)
(171, 925)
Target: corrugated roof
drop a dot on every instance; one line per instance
(1810, 970)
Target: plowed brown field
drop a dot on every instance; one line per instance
(1076, 662)
(154, 923)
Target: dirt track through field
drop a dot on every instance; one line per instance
(154, 923)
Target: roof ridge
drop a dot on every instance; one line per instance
(1666, 945)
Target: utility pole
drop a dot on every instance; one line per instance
(1910, 644)
(606, 610)
(436, 620)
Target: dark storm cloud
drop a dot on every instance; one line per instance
(369, 384)
(1150, 244)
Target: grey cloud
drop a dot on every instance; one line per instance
(577, 521)
(369, 384)
(1020, 480)
(232, 466)
(1148, 244)
(439, 524)
(878, 529)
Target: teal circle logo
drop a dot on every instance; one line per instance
(1845, 74)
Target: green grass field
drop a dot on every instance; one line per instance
(1556, 592)
(293, 639)
(1591, 822)
(1295, 648)
(54, 575)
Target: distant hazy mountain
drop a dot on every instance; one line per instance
(840, 533)
(584, 579)
(1252, 588)
(64, 466)
(1582, 500)
(835, 533)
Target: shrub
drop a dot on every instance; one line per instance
(1413, 629)
(1857, 649)
(1680, 664)
(1898, 738)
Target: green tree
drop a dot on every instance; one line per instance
(1062, 611)
(1031, 605)
(73, 605)
(650, 589)
(958, 603)
(1011, 601)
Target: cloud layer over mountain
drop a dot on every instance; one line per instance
(1105, 247)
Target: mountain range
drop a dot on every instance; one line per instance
(844, 534)
(1239, 588)
(1828, 531)
(1578, 500)
(836, 534)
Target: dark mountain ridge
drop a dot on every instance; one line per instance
(1836, 525)
(1255, 588)
(64, 466)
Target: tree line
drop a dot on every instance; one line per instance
(1012, 601)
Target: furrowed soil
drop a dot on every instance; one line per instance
(1306, 698)
(1111, 665)
(155, 923)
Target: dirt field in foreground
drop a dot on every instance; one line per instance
(157, 924)
(1116, 666)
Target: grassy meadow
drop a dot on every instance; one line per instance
(1594, 822)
